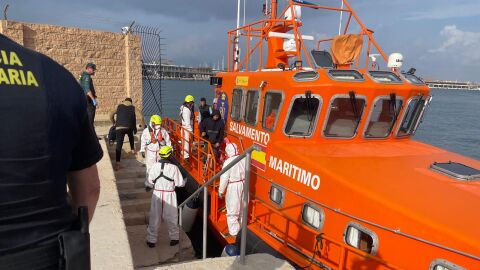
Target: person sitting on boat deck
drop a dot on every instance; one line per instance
(213, 130)
(187, 116)
(204, 110)
(232, 181)
(153, 138)
(163, 177)
(125, 124)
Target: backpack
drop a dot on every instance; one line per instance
(112, 135)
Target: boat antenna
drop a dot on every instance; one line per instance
(341, 18)
(237, 49)
(244, 4)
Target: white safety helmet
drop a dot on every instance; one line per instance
(231, 150)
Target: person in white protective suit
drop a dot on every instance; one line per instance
(152, 139)
(232, 180)
(163, 177)
(187, 116)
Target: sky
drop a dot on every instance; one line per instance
(440, 38)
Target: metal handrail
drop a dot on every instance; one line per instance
(203, 188)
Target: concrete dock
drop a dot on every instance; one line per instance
(254, 262)
(118, 228)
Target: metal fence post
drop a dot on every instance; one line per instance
(246, 186)
(205, 199)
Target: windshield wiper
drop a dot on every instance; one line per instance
(310, 116)
(353, 101)
(393, 106)
(415, 112)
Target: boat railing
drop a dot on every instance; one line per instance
(201, 156)
(255, 34)
(204, 188)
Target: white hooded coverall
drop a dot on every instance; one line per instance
(151, 149)
(232, 180)
(164, 200)
(187, 125)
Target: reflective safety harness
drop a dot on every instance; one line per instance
(163, 162)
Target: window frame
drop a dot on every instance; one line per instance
(444, 263)
(364, 230)
(279, 109)
(322, 216)
(333, 78)
(327, 115)
(419, 119)
(282, 191)
(369, 73)
(407, 79)
(292, 101)
(245, 101)
(241, 105)
(308, 79)
(370, 115)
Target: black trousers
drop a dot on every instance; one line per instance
(91, 112)
(120, 137)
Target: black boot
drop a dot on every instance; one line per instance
(150, 245)
(173, 243)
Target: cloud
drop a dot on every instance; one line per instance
(458, 42)
(447, 12)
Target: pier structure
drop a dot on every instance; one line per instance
(175, 72)
(455, 85)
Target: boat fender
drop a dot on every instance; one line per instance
(189, 214)
(230, 250)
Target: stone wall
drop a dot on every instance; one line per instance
(117, 56)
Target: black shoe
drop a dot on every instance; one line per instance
(173, 243)
(150, 245)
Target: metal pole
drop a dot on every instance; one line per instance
(205, 198)
(246, 186)
(341, 17)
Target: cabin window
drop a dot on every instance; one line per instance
(251, 108)
(412, 116)
(413, 79)
(384, 77)
(237, 104)
(382, 117)
(441, 264)
(361, 238)
(344, 115)
(345, 75)
(271, 109)
(276, 195)
(303, 116)
(313, 216)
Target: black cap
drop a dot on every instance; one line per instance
(91, 65)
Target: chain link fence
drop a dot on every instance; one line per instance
(151, 69)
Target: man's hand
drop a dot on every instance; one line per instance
(220, 195)
(94, 102)
(204, 134)
(148, 189)
(217, 145)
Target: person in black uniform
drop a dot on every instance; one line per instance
(87, 84)
(46, 142)
(204, 110)
(125, 124)
(213, 130)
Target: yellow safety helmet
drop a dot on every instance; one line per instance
(156, 119)
(189, 98)
(165, 151)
